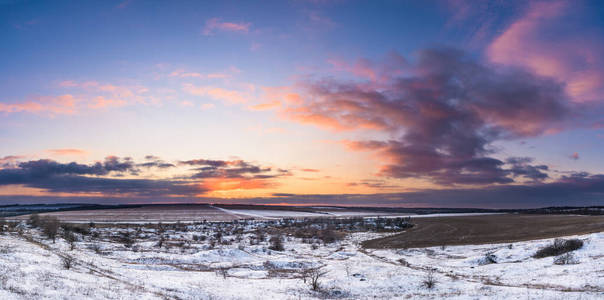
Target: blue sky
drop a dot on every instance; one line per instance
(333, 99)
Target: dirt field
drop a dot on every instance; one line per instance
(198, 213)
(440, 231)
(145, 214)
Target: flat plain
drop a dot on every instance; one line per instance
(486, 229)
(201, 212)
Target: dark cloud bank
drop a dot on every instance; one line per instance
(443, 114)
(575, 190)
(109, 177)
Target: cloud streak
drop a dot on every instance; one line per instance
(575, 190)
(123, 177)
(216, 24)
(59, 105)
(67, 151)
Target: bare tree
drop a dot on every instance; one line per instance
(50, 226)
(314, 276)
(429, 282)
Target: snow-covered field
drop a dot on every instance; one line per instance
(269, 214)
(193, 262)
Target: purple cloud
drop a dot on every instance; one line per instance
(443, 112)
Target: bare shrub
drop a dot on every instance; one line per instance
(4, 249)
(161, 241)
(566, 259)
(429, 281)
(67, 262)
(160, 228)
(50, 227)
(96, 248)
(224, 271)
(81, 229)
(34, 220)
(329, 236)
(314, 276)
(560, 246)
(71, 238)
(260, 236)
(3, 226)
(276, 243)
(126, 239)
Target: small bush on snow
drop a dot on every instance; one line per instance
(566, 259)
(4, 249)
(488, 259)
(276, 243)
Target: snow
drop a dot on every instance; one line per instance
(31, 267)
(269, 214)
(278, 214)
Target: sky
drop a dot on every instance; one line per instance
(494, 104)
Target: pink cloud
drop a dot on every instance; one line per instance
(68, 83)
(217, 24)
(229, 96)
(392, 65)
(67, 151)
(183, 74)
(207, 106)
(64, 104)
(255, 46)
(186, 103)
(97, 95)
(321, 20)
(265, 105)
(101, 102)
(536, 42)
(124, 4)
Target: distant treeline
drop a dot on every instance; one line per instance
(18, 209)
(567, 210)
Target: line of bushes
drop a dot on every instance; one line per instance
(559, 246)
